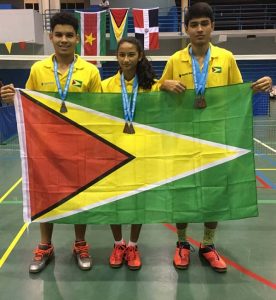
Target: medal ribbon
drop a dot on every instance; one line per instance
(129, 102)
(200, 77)
(63, 93)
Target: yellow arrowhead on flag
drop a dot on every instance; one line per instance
(8, 46)
(161, 157)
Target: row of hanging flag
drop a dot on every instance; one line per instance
(9, 45)
(93, 29)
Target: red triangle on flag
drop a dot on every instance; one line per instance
(63, 158)
(118, 15)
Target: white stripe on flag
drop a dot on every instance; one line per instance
(82, 33)
(99, 33)
(24, 156)
(146, 27)
(142, 30)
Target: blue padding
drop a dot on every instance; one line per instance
(16, 76)
(261, 104)
(5, 6)
(7, 122)
(94, 8)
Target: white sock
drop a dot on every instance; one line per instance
(132, 244)
(121, 242)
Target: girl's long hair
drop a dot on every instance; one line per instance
(144, 70)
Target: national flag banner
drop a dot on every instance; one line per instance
(118, 25)
(8, 46)
(146, 27)
(181, 165)
(22, 45)
(92, 33)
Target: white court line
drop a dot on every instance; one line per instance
(265, 145)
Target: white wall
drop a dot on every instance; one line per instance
(19, 25)
(259, 45)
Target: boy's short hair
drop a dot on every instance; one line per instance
(64, 19)
(198, 10)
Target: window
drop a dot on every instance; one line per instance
(80, 5)
(31, 4)
(72, 4)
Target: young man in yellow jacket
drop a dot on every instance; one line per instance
(62, 72)
(198, 66)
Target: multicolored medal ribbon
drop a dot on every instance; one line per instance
(63, 93)
(200, 78)
(129, 104)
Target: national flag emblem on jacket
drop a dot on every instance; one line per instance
(146, 27)
(76, 82)
(118, 25)
(181, 165)
(92, 28)
(216, 69)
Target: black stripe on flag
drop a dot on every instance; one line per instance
(140, 38)
(153, 17)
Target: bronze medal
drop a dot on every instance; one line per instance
(63, 108)
(129, 129)
(126, 128)
(200, 102)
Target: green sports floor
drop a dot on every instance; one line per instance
(248, 246)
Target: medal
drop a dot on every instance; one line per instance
(129, 104)
(200, 79)
(129, 129)
(200, 102)
(63, 108)
(126, 128)
(63, 93)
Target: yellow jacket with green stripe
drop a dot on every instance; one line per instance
(85, 77)
(223, 69)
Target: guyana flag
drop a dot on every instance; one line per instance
(182, 164)
(92, 33)
(118, 25)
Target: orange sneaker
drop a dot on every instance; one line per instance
(117, 256)
(133, 258)
(80, 251)
(181, 258)
(42, 256)
(211, 256)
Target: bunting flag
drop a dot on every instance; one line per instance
(22, 45)
(118, 25)
(92, 33)
(181, 165)
(8, 46)
(146, 27)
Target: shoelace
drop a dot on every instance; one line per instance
(40, 253)
(213, 250)
(82, 250)
(118, 249)
(130, 253)
(181, 247)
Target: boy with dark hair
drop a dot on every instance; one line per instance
(58, 73)
(64, 19)
(197, 11)
(192, 68)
